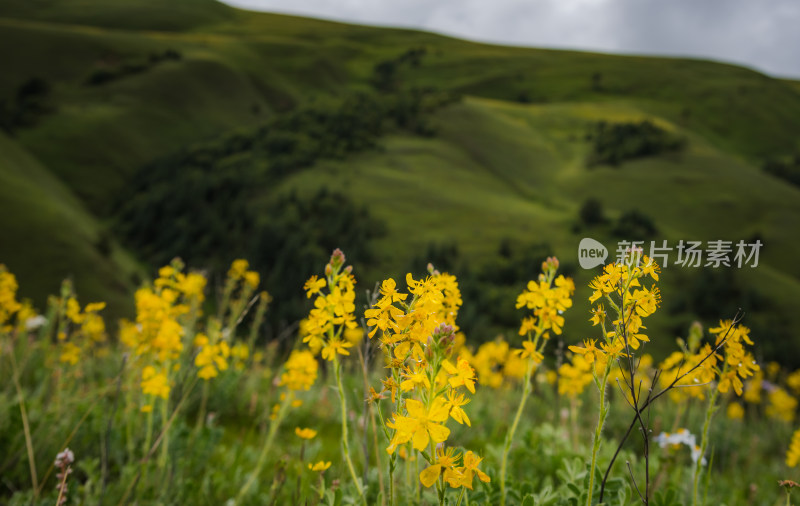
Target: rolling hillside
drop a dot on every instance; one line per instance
(134, 82)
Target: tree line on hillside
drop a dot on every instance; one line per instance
(614, 143)
(31, 101)
(217, 200)
(787, 169)
(115, 69)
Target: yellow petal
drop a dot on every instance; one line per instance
(430, 474)
(415, 408)
(438, 433)
(421, 438)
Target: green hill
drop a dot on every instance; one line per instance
(125, 89)
(48, 236)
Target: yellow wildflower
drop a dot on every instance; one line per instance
(421, 425)
(319, 466)
(444, 465)
(735, 411)
(305, 433)
(155, 382)
(460, 375)
(333, 347)
(300, 371)
(453, 405)
(470, 469)
(70, 353)
(313, 285)
(793, 455)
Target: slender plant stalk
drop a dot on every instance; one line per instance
(461, 496)
(107, 437)
(712, 408)
(72, 434)
(345, 444)
(201, 414)
(62, 487)
(526, 389)
(25, 426)
(273, 429)
(162, 461)
(598, 432)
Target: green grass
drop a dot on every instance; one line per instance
(53, 237)
(526, 179)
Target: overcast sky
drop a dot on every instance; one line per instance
(762, 34)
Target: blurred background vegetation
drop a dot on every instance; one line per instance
(135, 131)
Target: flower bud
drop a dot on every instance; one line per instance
(337, 258)
(429, 349)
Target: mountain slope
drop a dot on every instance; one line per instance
(47, 236)
(136, 81)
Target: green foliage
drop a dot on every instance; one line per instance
(31, 102)
(591, 213)
(788, 170)
(207, 204)
(296, 231)
(117, 70)
(614, 143)
(634, 225)
(387, 74)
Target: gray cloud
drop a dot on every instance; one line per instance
(763, 34)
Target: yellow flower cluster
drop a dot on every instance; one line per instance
(240, 285)
(333, 313)
(300, 371)
(698, 381)
(779, 390)
(738, 363)
(793, 455)
(496, 364)
(212, 358)
(574, 376)
(8, 298)
(735, 411)
(165, 315)
(405, 332)
(418, 337)
(782, 406)
(79, 330)
(239, 272)
(17, 317)
(548, 298)
(620, 286)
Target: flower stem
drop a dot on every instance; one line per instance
(25, 425)
(162, 461)
(597, 434)
(273, 429)
(712, 407)
(345, 445)
(526, 389)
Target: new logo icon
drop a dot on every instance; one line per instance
(591, 253)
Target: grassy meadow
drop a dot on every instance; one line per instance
(136, 132)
